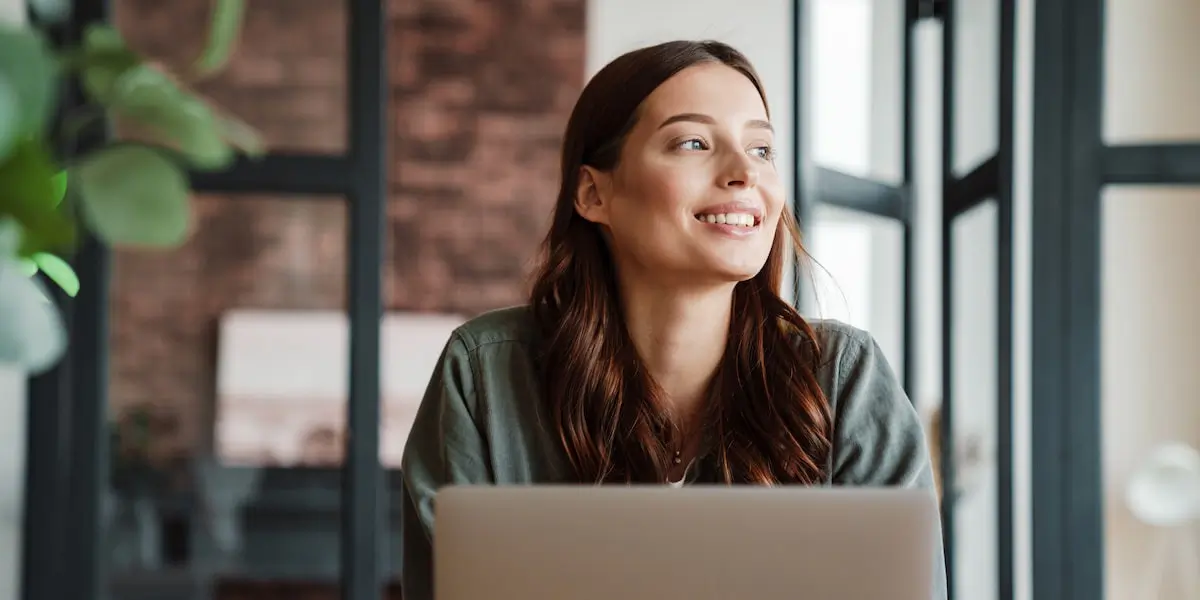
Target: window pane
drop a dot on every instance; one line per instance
(228, 364)
(287, 77)
(858, 54)
(976, 77)
(1150, 80)
(857, 272)
(1149, 379)
(974, 401)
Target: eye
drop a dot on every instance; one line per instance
(692, 145)
(763, 152)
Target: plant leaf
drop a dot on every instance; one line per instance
(153, 102)
(59, 184)
(10, 118)
(59, 271)
(31, 72)
(241, 135)
(191, 128)
(10, 236)
(132, 194)
(27, 266)
(102, 59)
(222, 35)
(32, 334)
(27, 195)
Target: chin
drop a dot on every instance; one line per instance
(737, 273)
(733, 262)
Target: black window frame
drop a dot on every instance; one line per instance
(989, 180)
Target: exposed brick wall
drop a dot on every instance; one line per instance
(480, 92)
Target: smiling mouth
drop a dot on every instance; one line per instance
(733, 219)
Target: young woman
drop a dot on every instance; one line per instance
(656, 347)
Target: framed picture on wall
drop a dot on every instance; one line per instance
(283, 384)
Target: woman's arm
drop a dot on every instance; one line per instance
(878, 437)
(444, 447)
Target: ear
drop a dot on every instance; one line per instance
(592, 196)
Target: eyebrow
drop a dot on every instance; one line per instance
(707, 120)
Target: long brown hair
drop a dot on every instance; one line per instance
(768, 421)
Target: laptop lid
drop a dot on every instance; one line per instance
(700, 542)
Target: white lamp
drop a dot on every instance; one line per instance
(1165, 493)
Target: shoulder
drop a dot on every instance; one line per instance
(878, 436)
(841, 347)
(512, 325)
(840, 342)
(496, 349)
(490, 353)
(851, 363)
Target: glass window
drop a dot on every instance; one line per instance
(973, 364)
(1151, 89)
(1148, 377)
(976, 83)
(856, 79)
(857, 273)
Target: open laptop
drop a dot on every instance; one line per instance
(696, 543)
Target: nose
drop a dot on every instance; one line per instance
(740, 173)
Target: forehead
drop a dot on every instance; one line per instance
(712, 89)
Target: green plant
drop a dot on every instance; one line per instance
(130, 191)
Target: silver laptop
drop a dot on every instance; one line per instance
(696, 543)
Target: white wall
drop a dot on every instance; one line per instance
(1151, 278)
(12, 434)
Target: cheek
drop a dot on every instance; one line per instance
(772, 191)
(774, 195)
(661, 192)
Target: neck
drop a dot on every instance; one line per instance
(680, 336)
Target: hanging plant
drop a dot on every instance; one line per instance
(130, 191)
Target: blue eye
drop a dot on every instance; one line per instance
(764, 152)
(693, 145)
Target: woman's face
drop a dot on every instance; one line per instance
(695, 197)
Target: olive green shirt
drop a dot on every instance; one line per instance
(479, 423)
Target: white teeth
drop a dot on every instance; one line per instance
(738, 219)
